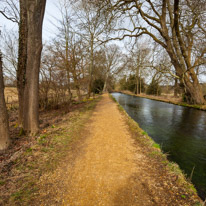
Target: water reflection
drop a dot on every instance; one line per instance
(181, 132)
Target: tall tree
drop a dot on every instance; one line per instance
(113, 62)
(140, 59)
(180, 33)
(22, 58)
(35, 14)
(64, 27)
(92, 23)
(4, 124)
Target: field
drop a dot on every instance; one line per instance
(11, 96)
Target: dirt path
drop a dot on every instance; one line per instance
(109, 162)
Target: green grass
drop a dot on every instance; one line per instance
(42, 139)
(22, 196)
(144, 133)
(183, 196)
(155, 145)
(29, 150)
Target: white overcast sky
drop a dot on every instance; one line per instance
(48, 28)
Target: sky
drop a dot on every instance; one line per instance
(48, 27)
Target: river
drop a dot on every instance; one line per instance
(180, 131)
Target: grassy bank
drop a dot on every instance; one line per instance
(158, 98)
(169, 170)
(19, 179)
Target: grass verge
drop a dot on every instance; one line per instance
(19, 180)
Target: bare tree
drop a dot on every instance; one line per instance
(10, 53)
(140, 60)
(91, 23)
(113, 62)
(179, 32)
(10, 10)
(16, 12)
(4, 124)
(65, 28)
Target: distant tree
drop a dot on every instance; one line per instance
(131, 83)
(98, 86)
(157, 78)
(123, 83)
(92, 23)
(112, 63)
(65, 31)
(139, 61)
(10, 54)
(153, 88)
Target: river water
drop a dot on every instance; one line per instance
(180, 131)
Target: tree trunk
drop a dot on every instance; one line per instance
(91, 67)
(176, 88)
(68, 69)
(35, 15)
(105, 82)
(4, 123)
(137, 81)
(22, 59)
(76, 84)
(69, 86)
(193, 91)
(140, 86)
(137, 85)
(78, 92)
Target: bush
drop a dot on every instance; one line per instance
(97, 86)
(154, 88)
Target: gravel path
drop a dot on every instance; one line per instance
(103, 174)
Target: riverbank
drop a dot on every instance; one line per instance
(176, 101)
(159, 160)
(95, 155)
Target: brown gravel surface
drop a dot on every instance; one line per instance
(110, 168)
(104, 171)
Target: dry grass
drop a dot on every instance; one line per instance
(11, 95)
